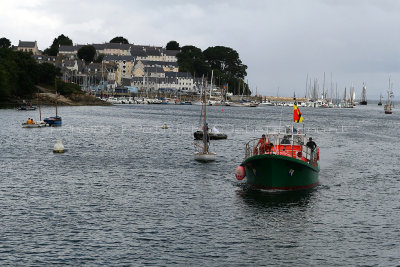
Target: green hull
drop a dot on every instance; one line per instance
(276, 172)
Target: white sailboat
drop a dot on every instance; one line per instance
(204, 155)
(389, 105)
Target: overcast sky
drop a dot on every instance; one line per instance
(281, 41)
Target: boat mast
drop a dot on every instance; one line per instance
(205, 148)
(40, 111)
(212, 73)
(55, 86)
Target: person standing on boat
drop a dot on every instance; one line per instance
(311, 145)
(262, 142)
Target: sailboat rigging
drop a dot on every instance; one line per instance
(364, 95)
(204, 155)
(389, 105)
(38, 124)
(54, 121)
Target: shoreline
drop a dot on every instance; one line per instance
(49, 99)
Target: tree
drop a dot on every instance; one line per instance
(226, 60)
(19, 73)
(46, 73)
(119, 40)
(87, 53)
(172, 45)
(60, 40)
(226, 63)
(99, 58)
(191, 59)
(5, 43)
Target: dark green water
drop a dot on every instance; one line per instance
(127, 192)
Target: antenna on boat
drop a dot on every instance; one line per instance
(280, 120)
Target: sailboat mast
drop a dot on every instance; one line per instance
(205, 124)
(40, 111)
(55, 86)
(212, 76)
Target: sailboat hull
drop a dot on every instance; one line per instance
(53, 121)
(35, 125)
(205, 157)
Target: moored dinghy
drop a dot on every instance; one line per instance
(38, 124)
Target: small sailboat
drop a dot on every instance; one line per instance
(54, 121)
(389, 105)
(364, 95)
(203, 154)
(38, 124)
(380, 101)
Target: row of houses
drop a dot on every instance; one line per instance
(146, 68)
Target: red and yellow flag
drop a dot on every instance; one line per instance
(297, 114)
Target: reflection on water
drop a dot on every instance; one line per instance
(262, 198)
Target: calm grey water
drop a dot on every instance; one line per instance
(127, 192)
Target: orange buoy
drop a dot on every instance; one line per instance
(240, 173)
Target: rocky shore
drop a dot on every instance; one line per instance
(49, 98)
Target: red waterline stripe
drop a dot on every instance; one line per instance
(286, 187)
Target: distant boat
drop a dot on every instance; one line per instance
(56, 120)
(26, 106)
(389, 105)
(38, 124)
(380, 101)
(363, 95)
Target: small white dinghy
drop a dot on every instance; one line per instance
(35, 124)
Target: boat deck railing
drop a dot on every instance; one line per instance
(292, 145)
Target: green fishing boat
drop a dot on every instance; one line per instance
(284, 161)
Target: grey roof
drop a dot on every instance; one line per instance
(147, 79)
(153, 52)
(69, 63)
(93, 66)
(112, 46)
(172, 52)
(98, 46)
(26, 44)
(171, 74)
(117, 46)
(153, 63)
(138, 52)
(118, 58)
(154, 70)
(69, 48)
